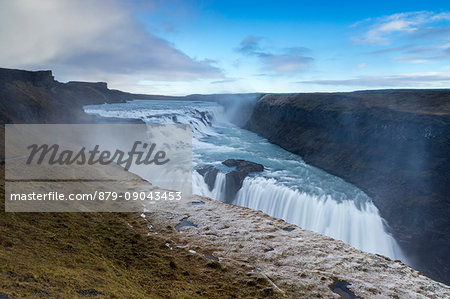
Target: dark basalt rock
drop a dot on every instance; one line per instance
(243, 165)
(392, 144)
(4, 296)
(341, 288)
(184, 223)
(209, 174)
(36, 97)
(91, 292)
(235, 178)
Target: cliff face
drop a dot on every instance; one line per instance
(35, 97)
(391, 144)
(314, 128)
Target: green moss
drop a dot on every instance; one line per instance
(70, 254)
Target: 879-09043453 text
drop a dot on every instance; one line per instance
(98, 195)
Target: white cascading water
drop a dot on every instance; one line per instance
(288, 188)
(361, 227)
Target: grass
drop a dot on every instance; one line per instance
(70, 255)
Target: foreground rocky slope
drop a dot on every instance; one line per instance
(296, 263)
(36, 97)
(193, 248)
(105, 255)
(392, 144)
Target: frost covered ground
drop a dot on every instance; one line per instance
(297, 263)
(247, 248)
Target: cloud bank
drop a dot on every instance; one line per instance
(90, 39)
(420, 37)
(435, 79)
(420, 23)
(291, 60)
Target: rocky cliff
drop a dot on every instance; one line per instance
(74, 255)
(193, 248)
(392, 144)
(258, 260)
(36, 97)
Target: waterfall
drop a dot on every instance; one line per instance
(288, 188)
(362, 227)
(359, 225)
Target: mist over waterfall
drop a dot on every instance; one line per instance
(288, 188)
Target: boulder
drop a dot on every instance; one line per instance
(235, 178)
(209, 174)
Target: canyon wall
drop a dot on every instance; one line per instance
(392, 144)
(36, 97)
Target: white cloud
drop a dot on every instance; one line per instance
(90, 39)
(250, 45)
(384, 28)
(410, 59)
(230, 80)
(290, 60)
(361, 65)
(431, 79)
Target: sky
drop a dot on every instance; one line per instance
(176, 47)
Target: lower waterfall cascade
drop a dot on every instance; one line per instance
(288, 188)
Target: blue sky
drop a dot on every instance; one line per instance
(183, 47)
